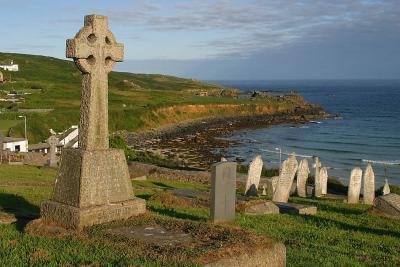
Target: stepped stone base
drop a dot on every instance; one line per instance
(92, 187)
(76, 218)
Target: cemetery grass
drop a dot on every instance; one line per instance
(339, 235)
(136, 101)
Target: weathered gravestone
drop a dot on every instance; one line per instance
(223, 191)
(302, 176)
(93, 184)
(285, 181)
(353, 194)
(253, 178)
(263, 208)
(389, 204)
(323, 177)
(317, 180)
(53, 142)
(369, 185)
(386, 188)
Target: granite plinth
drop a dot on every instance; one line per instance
(77, 218)
(93, 186)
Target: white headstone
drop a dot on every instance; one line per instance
(353, 194)
(317, 180)
(302, 176)
(264, 192)
(386, 188)
(253, 178)
(369, 185)
(285, 181)
(323, 177)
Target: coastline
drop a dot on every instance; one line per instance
(192, 143)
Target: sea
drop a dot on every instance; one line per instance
(368, 128)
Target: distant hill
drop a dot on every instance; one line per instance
(136, 101)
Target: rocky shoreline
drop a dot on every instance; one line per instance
(192, 143)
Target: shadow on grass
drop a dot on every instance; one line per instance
(22, 209)
(348, 227)
(163, 185)
(176, 214)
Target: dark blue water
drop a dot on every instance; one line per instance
(370, 128)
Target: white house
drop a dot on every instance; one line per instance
(15, 144)
(10, 67)
(69, 138)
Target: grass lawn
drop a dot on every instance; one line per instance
(5, 125)
(339, 235)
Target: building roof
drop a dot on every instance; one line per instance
(66, 133)
(38, 146)
(13, 139)
(72, 142)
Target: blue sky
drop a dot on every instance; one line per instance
(259, 39)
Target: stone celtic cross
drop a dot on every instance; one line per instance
(95, 51)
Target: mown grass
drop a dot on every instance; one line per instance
(339, 235)
(134, 99)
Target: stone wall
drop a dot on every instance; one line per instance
(137, 169)
(27, 158)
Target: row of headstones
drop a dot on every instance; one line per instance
(281, 187)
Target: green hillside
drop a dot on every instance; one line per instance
(136, 100)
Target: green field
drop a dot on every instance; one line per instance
(5, 125)
(339, 235)
(136, 101)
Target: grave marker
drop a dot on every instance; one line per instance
(53, 142)
(285, 181)
(353, 194)
(369, 185)
(93, 184)
(223, 191)
(317, 180)
(386, 188)
(254, 175)
(323, 177)
(302, 176)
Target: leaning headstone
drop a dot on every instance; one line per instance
(386, 188)
(369, 185)
(353, 194)
(323, 177)
(389, 204)
(53, 142)
(317, 180)
(223, 191)
(253, 178)
(302, 176)
(93, 184)
(286, 177)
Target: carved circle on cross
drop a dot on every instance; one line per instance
(100, 45)
(94, 47)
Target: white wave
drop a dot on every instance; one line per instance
(384, 162)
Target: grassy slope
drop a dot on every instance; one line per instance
(339, 235)
(133, 97)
